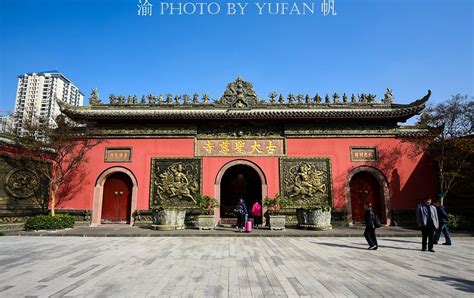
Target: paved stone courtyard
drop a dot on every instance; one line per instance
(232, 266)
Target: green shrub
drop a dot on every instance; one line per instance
(461, 222)
(48, 222)
(206, 204)
(275, 205)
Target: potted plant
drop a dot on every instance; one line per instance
(206, 205)
(314, 217)
(274, 206)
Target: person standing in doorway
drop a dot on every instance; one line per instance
(257, 213)
(443, 225)
(371, 223)
(241, 213)
(427, 219)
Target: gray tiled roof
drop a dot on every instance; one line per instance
(399, 112)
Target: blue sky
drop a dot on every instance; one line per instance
(408, 45)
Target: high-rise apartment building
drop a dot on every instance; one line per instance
(36, 97)
(6, 121)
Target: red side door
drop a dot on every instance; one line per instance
(364, 188)
(117, 199)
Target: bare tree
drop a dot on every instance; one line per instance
(64, 145)
(452, 146)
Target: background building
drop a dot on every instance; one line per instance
(36, 94)
(6, 121)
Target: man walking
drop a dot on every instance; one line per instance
(427, 219)
(443, 225)
(371, 223)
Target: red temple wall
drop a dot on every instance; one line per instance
(409, 176)
(142, 152)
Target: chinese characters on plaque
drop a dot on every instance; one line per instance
(118, 154)
(364, 154)
(240, 147)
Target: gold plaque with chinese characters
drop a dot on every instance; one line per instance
(240, 147)
(118, 154)
(364, 154)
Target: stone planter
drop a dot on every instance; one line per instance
(180, 217)
(314, 219)
(277, 222)
(168, 219)
(206, 222)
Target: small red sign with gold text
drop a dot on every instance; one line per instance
(118, 154)
(364, 154)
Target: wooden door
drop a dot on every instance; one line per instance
(117, 199)
(364, 188)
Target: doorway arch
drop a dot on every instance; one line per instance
(373, 181)
(241, 172)
(99, 193)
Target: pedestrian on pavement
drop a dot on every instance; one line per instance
(427, 219)
(241, 213)
(371, 223)
(443, 225)
(257, 213)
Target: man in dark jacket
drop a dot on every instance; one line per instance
(371, 223)
(241, 213)
(443, 225)
(427, 219)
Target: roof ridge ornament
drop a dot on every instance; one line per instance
(388, 96)
(239, 95)
(94, 99)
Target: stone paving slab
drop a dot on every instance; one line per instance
(115, 230)
(233, 267)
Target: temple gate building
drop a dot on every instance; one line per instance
(336, 150)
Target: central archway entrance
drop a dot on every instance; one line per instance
(239, 178)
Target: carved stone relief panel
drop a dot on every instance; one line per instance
(23, 185)
(175, 182)
(306, 181)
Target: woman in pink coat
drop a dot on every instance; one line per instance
(257, 213)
